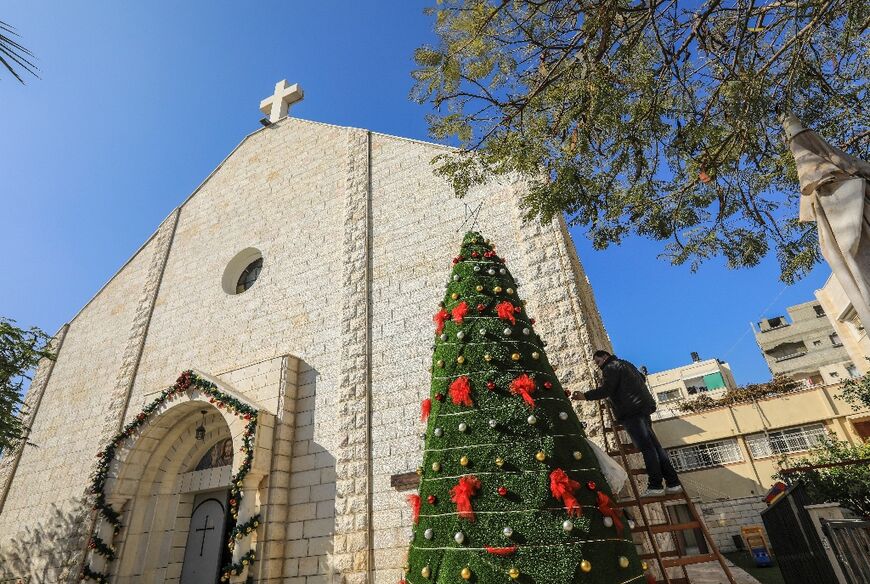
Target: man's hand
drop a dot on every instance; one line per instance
(578, 396)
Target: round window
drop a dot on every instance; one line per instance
(242, 271)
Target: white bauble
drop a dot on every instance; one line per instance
(532, 420)
(459, 537)
(428, 534)
(463, 426)
(567, 525)
(507, 531)
(563, 416)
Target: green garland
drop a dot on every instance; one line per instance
(187, 381)
(238, 567)
(243, 529)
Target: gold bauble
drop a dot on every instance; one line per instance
(510, 290)
(244, 562)
(514, 573)
(586, 566)
(578, 455)
(623, 562)
(541, 456)
(436, 466)
(454, 296)
(497, 289)
(644, 566)
(465, 573)
(419, 471)
(499, 461)
(479, 288)
(426, 571)
(464, 461)
(440, 363)
(515, 356)
(487, 357)
(460, 359)
(536, 355)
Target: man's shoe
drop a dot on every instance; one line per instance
(674, 490)
(652, 493)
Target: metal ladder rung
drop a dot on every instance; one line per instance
(646, 500)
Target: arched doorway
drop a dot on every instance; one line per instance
(168, 474)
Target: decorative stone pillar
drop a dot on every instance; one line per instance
(353, 535)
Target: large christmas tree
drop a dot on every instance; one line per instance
(510, 489)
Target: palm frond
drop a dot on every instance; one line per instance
(13, 56)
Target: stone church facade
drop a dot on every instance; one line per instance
(331, 345)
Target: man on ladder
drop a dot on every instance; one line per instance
(632, 404)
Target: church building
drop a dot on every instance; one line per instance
(240, 402)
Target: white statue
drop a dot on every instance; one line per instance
(835, 194)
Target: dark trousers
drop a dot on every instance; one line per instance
(658, 465)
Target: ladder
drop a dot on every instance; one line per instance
(662, 545)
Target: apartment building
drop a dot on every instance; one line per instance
(804, 346)
(727, 456)
(843, 317)
(709, 376)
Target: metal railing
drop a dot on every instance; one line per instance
(850, 540)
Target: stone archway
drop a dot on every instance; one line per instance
(153, 482)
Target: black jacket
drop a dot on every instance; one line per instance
(626, 389)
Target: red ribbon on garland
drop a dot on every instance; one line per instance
(460, 392)
(462, 493)
(505, 311)
(440, 318)
(459, 312)
(562, 487)
(605, 505)
(524, 386)
(414, 500)
(425, 409)
(502, 551)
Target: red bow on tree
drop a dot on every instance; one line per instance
(562, 488)
(425, 409)
(414, 500)
(460, 392)
(459, 312)
(502, 551)
(505, 311)
(524, 386)
(462, 493)
(440, 318)
(605, 505)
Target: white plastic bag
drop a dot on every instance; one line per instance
(612, 470)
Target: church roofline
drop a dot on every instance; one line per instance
(211, 174)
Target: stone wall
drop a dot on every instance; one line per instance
(725, 518)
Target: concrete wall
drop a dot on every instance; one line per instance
(841, 315)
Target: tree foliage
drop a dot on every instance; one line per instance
(20, 352)
(650, 117)
(743, 394)
(848, 485)
(856, 392)
(13, 57)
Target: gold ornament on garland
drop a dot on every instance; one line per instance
(514, 573)
(464, 461)
(454, 296)
(487, 357)
(578, 455)
(623, 562)
(436, 466)
(465, 573)
(644, 566)
(515, 356)
(510, 291)
(497, 289)
(460, 359)
(536, 355)
(440, 363)
(541, 456)
(499, 461)
(479, 288)
(426, 571)
(586, 566)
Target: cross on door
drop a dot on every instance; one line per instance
(204, 529)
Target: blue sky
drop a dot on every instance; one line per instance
(138, 102)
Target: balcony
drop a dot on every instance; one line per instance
(789, 356)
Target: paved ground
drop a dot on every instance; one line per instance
(711, 573)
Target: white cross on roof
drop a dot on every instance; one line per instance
(278, 104)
